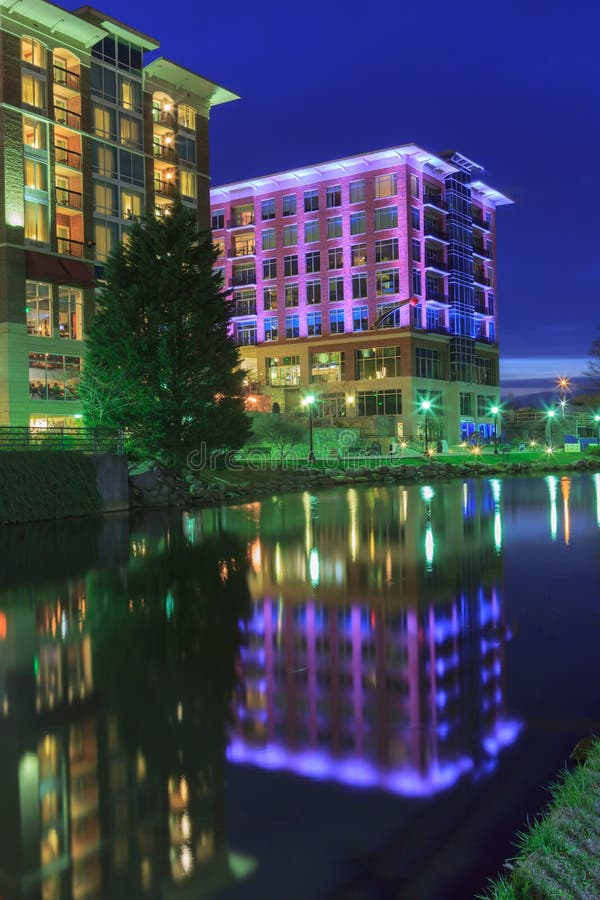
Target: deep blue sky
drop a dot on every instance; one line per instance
(512, 85)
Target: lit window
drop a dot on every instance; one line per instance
(386, 218)
(357, 191)
(38, 308)
(36, 221)
(336, 321)
(35, 175)
(32, 52)
(186, 117)
(290, 235)
(313, 324)
(334, 196)
(70, 306)
(360, 318)
(385, 186)
(268, 239)
(334, 227)
(358, 223)
(34, 133)
(187, 183)
(129, 131)
(33, 91)
(131, 205)
(311, 232)
(103, 121)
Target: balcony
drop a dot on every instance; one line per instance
(245, 308)
(479, 278)
(69, 247)
(479, 222)
(66, 157)
(164, 153)
(480, 307)
(431, 198)
(241, 220)
(164, 188)
(67, 117)
(438, 329)
(66, 197)
(432, 229)
(246, 276)
(435, 261)
(480, 250)
(436, 296)
(164, 118)
(66, 78)
(245, 248)
(484, 339)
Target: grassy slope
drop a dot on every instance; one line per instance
(559, 854)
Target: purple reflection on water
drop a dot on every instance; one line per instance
(358, 772)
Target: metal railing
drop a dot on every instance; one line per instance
(67, 197)
(66, 78)
(433, 199)
(241, 220)
(165, 153)
(433, 230)
(70, 247)
(67, 117)
(65, 157)
(82, 440)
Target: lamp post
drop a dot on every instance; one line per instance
(308, 401)
(426, 406)
(597, 421)
(551, 414)
(495, 411)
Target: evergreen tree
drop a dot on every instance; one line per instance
(160, 361)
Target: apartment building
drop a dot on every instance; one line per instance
(370, 283)
(91, 139)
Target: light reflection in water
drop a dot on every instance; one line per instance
(552, 482)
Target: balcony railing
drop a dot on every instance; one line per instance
(66, 117)
(245, 308)
(432, 229)
(244, 249)
(484, 339)
(166, 188)
(241, 221)
(438, 329)
(66, 157)
(247, 276)
(430, 198)
(165, 153)
(66, 197)
(70, 247)
(436, 296)
(435, 262)
(480, 307)
(480, 250)
(162, 117)
(481, 223)
(66, 78)
(481, 279)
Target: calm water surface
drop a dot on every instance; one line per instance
(357, 693)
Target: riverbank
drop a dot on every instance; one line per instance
(153, 486)
(559, 854)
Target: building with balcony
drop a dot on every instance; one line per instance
(91, 139)
(369, 282)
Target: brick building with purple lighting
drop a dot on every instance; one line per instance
(369, 282)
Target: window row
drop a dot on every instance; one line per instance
(331, 197)
(40, 314)
(384, 219)
(54, 377)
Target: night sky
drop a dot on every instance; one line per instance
(514, 86)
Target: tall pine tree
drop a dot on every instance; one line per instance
(160, 361)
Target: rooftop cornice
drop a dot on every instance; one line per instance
(53, 20)
(184, 80)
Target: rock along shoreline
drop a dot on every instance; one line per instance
(156, 487)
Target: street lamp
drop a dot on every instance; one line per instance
(551, 414)
(597, 421)
(495, 411)
(308, 401)
(425, 407)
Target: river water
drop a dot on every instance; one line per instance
(358, 693)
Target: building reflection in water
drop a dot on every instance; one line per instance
(375, 652)
(115, 693)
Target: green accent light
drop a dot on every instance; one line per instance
(495, 410)
(551, 413)
(426, 405)
(36, 666)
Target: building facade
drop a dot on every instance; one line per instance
(91, 139)
(369, 282)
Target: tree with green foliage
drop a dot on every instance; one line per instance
(160, 359)
(282, 434)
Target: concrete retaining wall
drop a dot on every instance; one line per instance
(112, 481)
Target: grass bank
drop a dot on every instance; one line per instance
(558, 855)
(46, 485)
